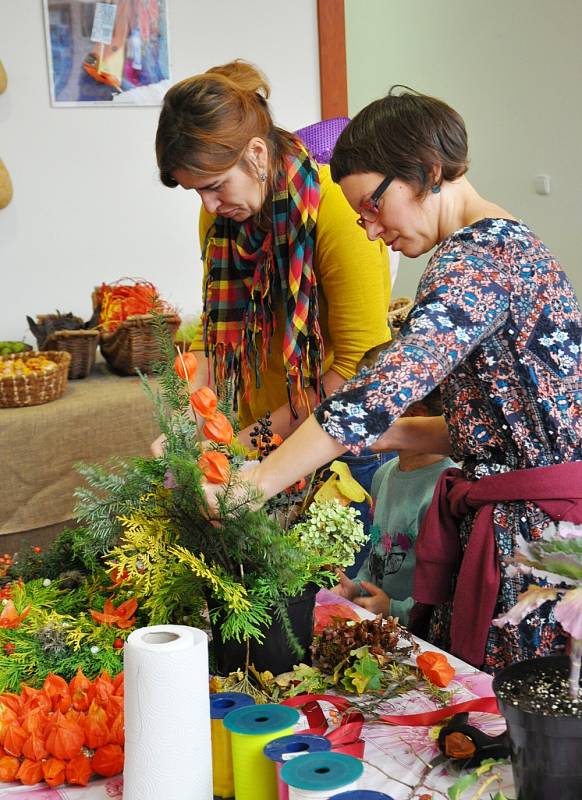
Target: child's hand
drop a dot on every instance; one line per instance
(346, 587)
(378, 602)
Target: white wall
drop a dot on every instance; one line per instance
(513, 69)
(88, 206)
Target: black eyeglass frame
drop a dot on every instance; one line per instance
(373, 200)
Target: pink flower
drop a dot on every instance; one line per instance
(533, 598)
(386, 542)
(569, 612)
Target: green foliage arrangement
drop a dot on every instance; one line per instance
(148, 519)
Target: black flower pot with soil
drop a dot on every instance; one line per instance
(275, 652)
(544, 727)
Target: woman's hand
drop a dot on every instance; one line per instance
(346, 587)
(378, 601)
(158, 446)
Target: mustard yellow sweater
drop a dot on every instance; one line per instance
(353, 279)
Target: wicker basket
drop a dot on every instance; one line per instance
(82, 345)
(133, 345)
(398, 311)
(33, 390)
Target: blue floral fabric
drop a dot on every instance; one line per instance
(497, 325)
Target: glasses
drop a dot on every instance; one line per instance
(369, 209)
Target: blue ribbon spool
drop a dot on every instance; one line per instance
(294, 745)
(222, 703)
(321, 772)
(361, 794)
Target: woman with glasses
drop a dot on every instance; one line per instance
(497, 325)
(294, 293)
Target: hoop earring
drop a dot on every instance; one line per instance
(435, 188)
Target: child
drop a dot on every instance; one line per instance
(402, 491)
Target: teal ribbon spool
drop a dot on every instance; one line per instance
(322, 772)
(260, 720)
(361, 794)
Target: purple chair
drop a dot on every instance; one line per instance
(320, 138)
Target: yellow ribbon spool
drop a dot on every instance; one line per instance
(221, 704)
(251, 729)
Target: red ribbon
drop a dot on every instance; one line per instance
(487, 704)
(346, 738)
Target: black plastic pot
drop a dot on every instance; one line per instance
(546, 751)
(274, 653)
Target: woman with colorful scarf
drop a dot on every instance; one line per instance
(497, 325)
(294, 293)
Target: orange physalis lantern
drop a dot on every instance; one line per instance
(215, 466)
(53, 771)
(108, 760)
(218, 429)
(204, 402)
(14, 738)
(186, 366)
(64, 738)
(435, 667)
(78, 770)
(30, 772)
(457, 745)
(95, 726)
(56, 688)
(9, 766)
(79, 688)
(34, 747)
(116, 732)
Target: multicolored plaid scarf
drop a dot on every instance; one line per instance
(250, 270)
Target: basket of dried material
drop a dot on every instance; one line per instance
(128, 309)
(32, 378)
(68, 333)
(397, 312)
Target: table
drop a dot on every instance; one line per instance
(97, 417)
(403, 753)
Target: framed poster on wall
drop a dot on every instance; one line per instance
(113, 52)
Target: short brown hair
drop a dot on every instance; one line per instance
(404, 135)
(207, 121)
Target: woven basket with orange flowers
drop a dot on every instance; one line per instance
(128, 341)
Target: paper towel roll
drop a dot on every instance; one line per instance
(167, 715)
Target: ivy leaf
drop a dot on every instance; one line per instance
(364, 674)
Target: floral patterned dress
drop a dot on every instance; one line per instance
(496, 323)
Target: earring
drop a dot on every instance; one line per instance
(435, 188)
(263, 177)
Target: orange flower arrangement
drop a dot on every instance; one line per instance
(436, 668)
(10, 618)
(122, 616)
(41, 741)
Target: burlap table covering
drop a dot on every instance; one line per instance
(98, 417)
